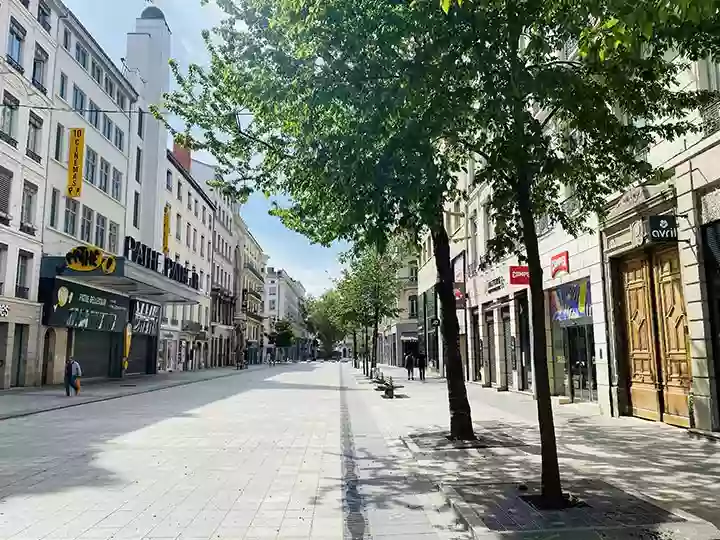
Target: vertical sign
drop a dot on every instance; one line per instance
(166, 230)
(75, 163)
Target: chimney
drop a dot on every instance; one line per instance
(183, 155)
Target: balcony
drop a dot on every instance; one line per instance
(254, 269)
(22, 292)
(165, 320)
(37, 84)
(28, 228)
(15, 64)
(255, 315)
(191, 327)
(710, 115)
(256, 292)
(173, 322)
(32, 155)
(45, 24)
(8, 139)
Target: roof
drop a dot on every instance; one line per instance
(182, 170)
(152, 12)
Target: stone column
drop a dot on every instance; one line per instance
(6, 338)
(499, 345)
(33, 369)
(515, 332)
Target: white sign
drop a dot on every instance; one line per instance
(4, 310)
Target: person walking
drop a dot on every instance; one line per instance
(421, 364)
(72, 376)
(410, 366)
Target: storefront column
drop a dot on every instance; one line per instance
(56, 369)
(33, 368)
(602, 360)
(704, 389)
(515, 351)
(499, 345)
(485, 351)
(7, 335)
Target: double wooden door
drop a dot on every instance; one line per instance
(656, 337)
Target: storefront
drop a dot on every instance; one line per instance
(20, 363)
(711, 249)
(574, 371)
(143, 340)
(91, 323)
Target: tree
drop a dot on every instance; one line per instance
(324, 319)
(283, 336)
(364, 112)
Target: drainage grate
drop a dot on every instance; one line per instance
(356, 522)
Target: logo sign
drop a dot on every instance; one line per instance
(143, 255)
(459, 294)
(519, 275)
(75, 306)
(560, 263)
(434, 323)
(87, 259)
(145, 318)
(166, 230)
(663, 228)
(244, 304)
(496, 284)
(4, 310)
(75, 163)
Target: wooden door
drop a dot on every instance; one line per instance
(672, 337)
(642, 363)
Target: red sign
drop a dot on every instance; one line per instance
(519, 275)
(559, 263)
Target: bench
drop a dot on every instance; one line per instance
(389, 388)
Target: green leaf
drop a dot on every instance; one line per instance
(445, 5)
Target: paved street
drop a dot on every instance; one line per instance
(307, 451)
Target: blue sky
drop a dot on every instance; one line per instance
(310, 264)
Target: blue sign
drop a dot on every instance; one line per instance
(571, 301)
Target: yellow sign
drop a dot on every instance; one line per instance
(166, 230)
(126, 345)
(87, 259)
(75, 163)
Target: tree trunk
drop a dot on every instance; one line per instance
(374, 337)
(355, 356)
(366, 364)
(461, 427)
(550, 478)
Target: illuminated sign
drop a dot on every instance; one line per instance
(87, 259)
(559, 263)
(75, 163)
(166, 230)
(143, 255)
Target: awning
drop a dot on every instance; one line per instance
(408, 338)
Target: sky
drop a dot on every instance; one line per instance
(315, 266)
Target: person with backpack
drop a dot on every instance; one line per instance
(73, 372)
(410, 366)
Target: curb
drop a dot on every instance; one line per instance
(119, 396)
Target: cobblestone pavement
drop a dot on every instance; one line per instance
(679, 470)
(285, 452)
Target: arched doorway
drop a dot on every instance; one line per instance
(48, 355)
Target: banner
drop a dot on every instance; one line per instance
(166, 230)
(72, 305)
(76, 156)
(571, 301)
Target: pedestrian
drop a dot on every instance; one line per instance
(421, 364)
(73, 372)
(410, 366)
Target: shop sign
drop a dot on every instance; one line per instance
(244, 302)
(75, 306)
(145, 318)
(435, 322)
(89, 259)
(166, 229)
(480, 352)
(496, 284)
(513, 353)
(663, 228)
(4, 310)
(519, 275)
(76, 151)
(143, 255)
(571, 301)
(560, 263)
(459, 294)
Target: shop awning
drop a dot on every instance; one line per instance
(408, 338)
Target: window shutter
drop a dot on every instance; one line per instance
(5, 188)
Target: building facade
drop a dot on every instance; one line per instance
(398, 335)
(284, 298)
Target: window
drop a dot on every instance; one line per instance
(5, 188)
(179, 191)
(141, 123)
(78, 100)
(457, 218)
(138, 165)
(40, 69)
(21, 281)
(16, 39)
(44, 15)
(412, 307)
(34, 140)
(86, 224)
(81, 55)
(194, 239)
(63, 86)
(189, 199)
(94, 114)
(202, 279)
(107, 129)
(104, 178)
(54, 202)
(119, 139)
(71, 210)
(96, 72)
(136, 211)
(202, 245)
(121, 100)
(109, 86)
(168, 179)
(67, 39)
(272, 305)
(207, 283)
(91, 158)
(178, 225)
(27, 212)
(116, 184)
(196, 208)
(113, 234)
(187, 235)
(209, 251)
(100, 229)
(8, 119)
(203, 215)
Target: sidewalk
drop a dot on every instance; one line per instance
(33, 400)
(639, 473)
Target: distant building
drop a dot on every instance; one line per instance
(284, 298)
(399, 334)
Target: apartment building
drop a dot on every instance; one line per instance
(398, 335)
(29, 29)
(188, 212)
(284, 297)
